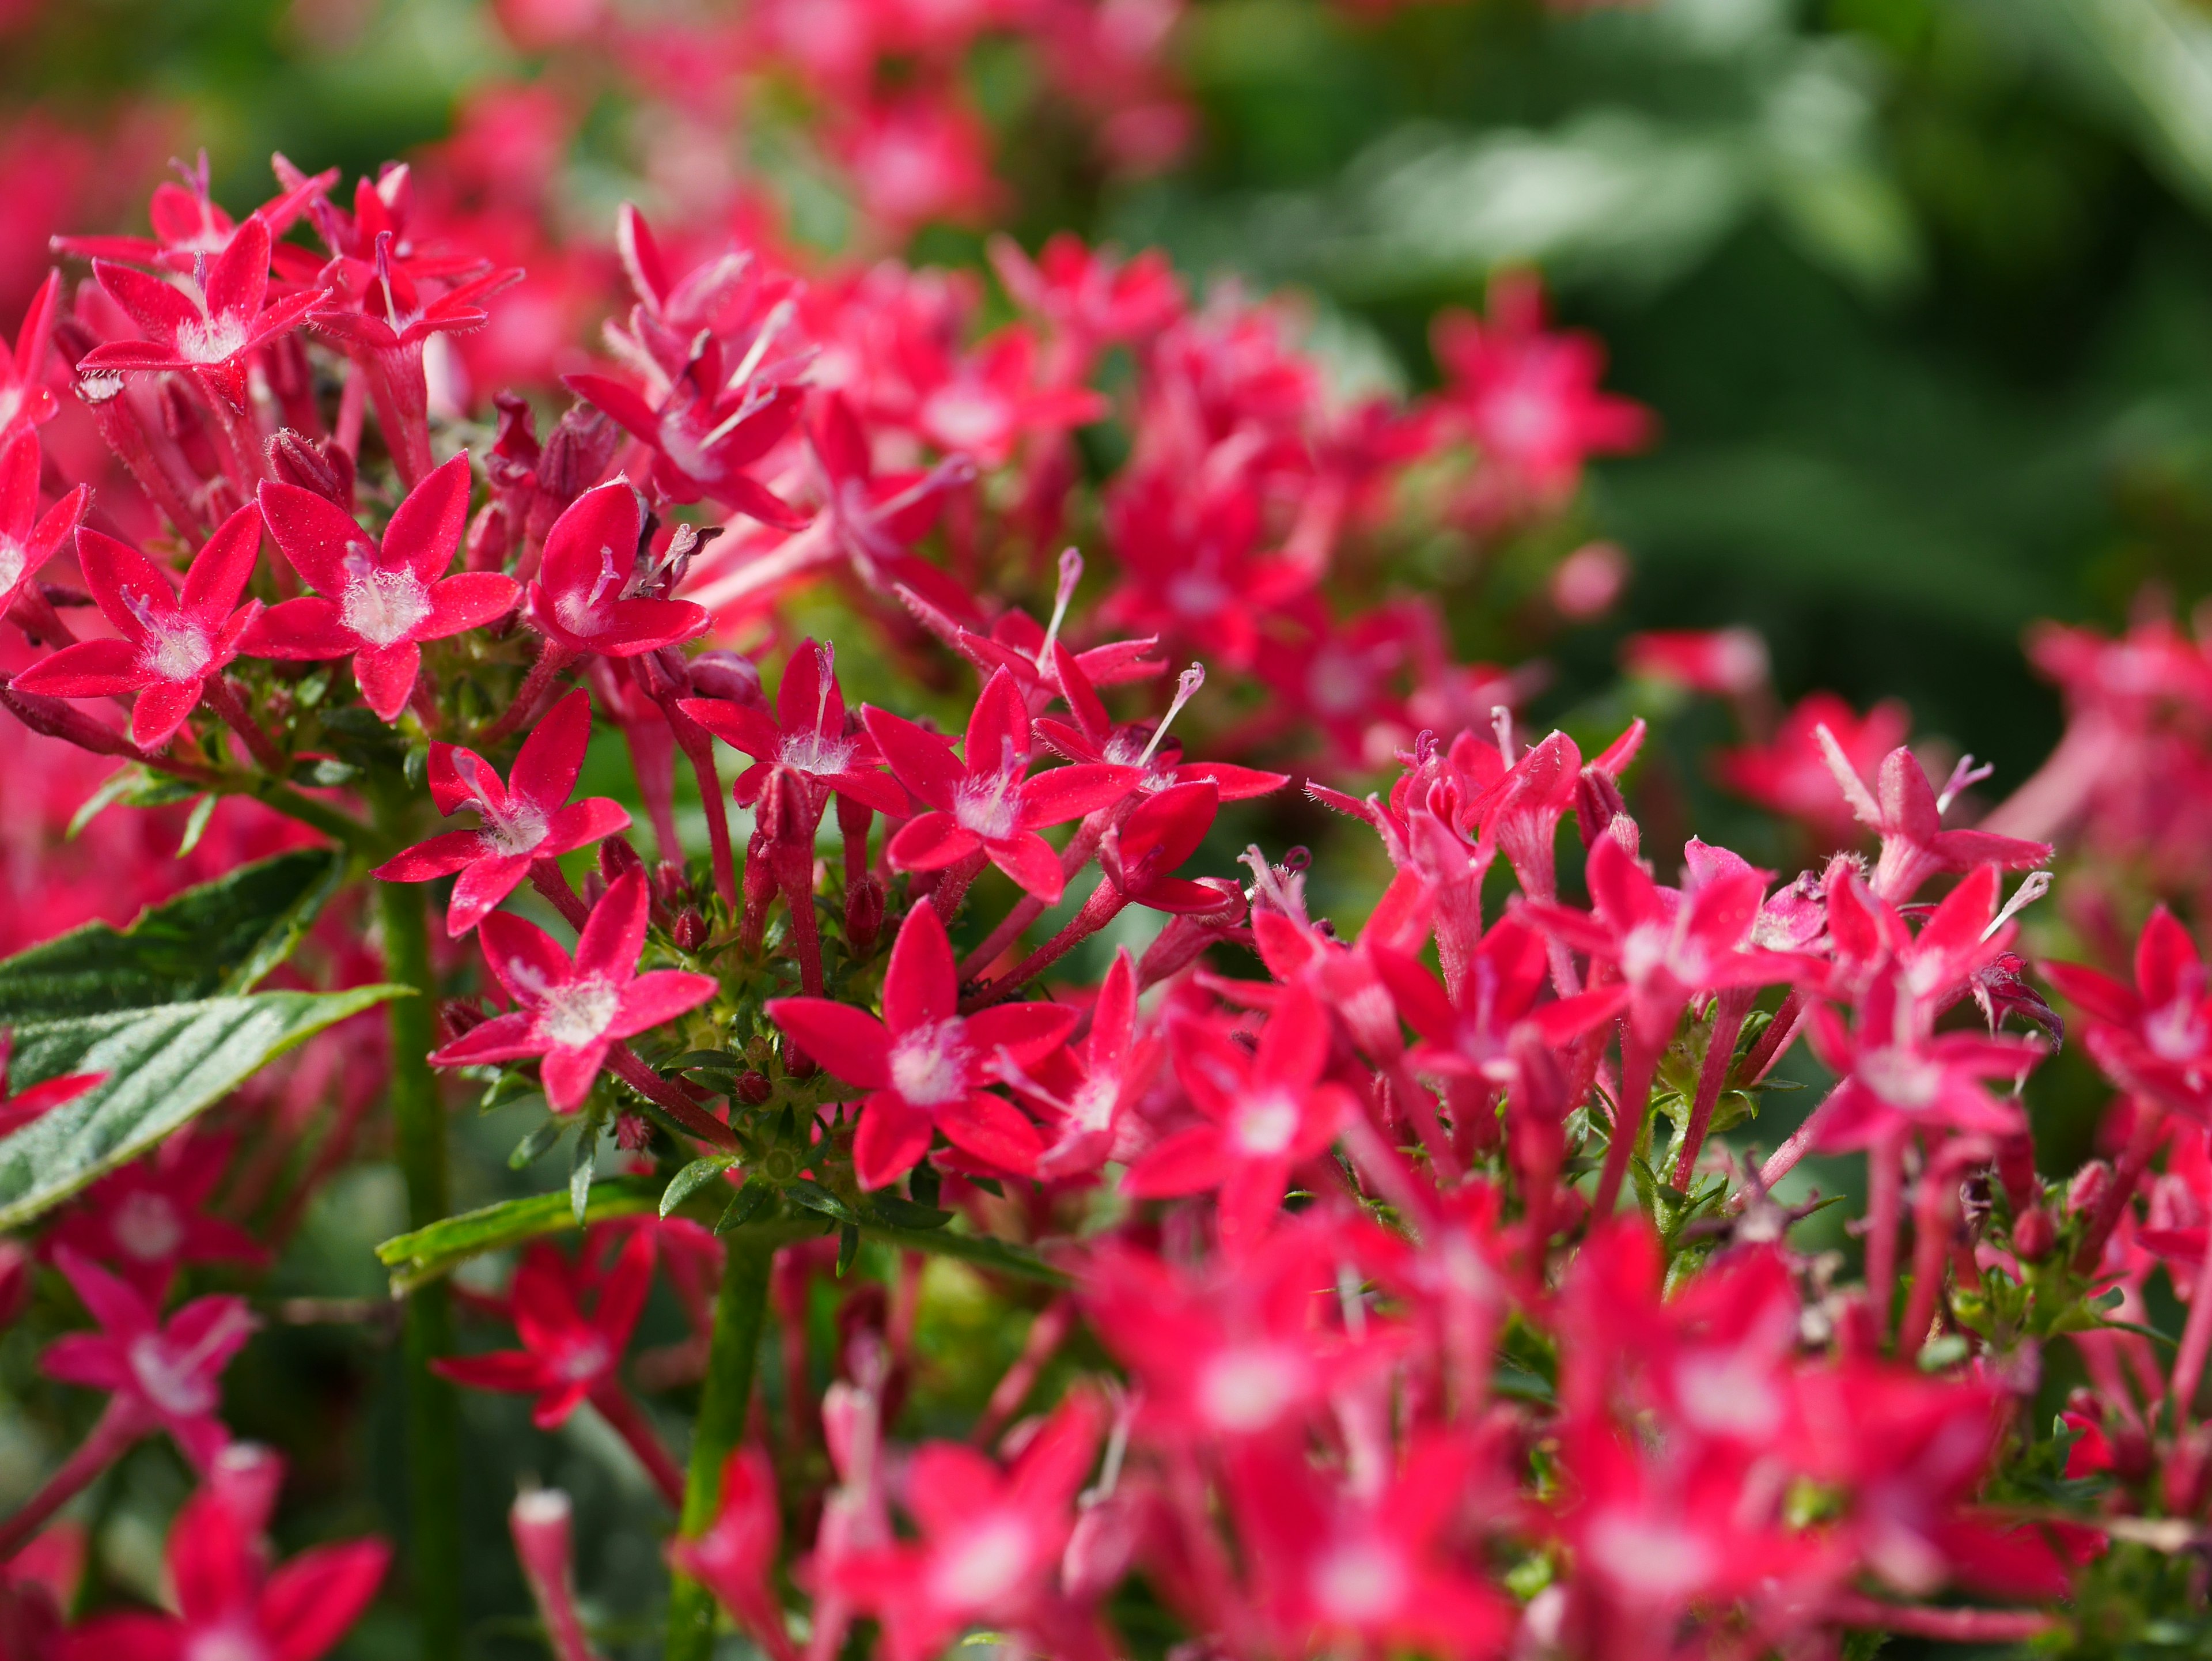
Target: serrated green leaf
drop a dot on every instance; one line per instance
(164, 1065)
(690, 1180)
(219, 938)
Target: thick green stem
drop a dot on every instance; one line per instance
(433, 1441)
(732, 1356)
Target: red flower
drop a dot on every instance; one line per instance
(189, 225)
(985, 802)
(566, 1356)
(877, 518)
(994, 400)
(158, 1375)
(581, 599)
(573, 1012)
(1905, 812)
(923, 1063)
(1726, 662)
(1269, 1111)
(1095, 737)
(735, 1558)
(810, 736)
(28, 538)
(377, 602)
(2156, 1036)
(1503, 979)
(379, 308)
(1897, 1079)
(991, 1541)
(210, 325)
(1790, 774)
(150, 1218)
(1088, 1089)
(25, 400)
(168, 650)
(229, 1604)
(533, 819)
(1161, 833)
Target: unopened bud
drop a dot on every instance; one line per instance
(512, 461)
(294, 459)
(796, 1063)
(728, 675)
(2034, 1234)
(618, 859)
(2087, 1191)
(632, 1132)
(55, 718)
(753, 1088)
(1598, 802)
(246, 1476)
(460, 1016)
(489, 538)
(594, 887)
(663, 673)
(864, 916)
(219, 499)
(690, 930)
(576, 454)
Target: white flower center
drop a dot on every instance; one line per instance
(1726, 1393)
(585, 1359)
(810, 752)
(1901, 1078)
(216, 340)
(226, 1643)
(176, 649)
(578, 1011)
(14, 555)
(1645, 1557)
(1360, 1581)
(173, 1383)
(968, 418)
(383, 606)
(1250, 1388)
(987, 808)
(147, 1226)
(929, 1064)
(517, 831)
(2174, 1032)
(1197, 593)
(983, 1565)
(1263, 1125)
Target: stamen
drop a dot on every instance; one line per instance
(2033, 887)
(1501, 725)
(1071, 573)
(1964, 775)
(1186, 685)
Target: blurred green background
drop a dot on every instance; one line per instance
(1920, 289)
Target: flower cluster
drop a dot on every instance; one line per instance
(1415, 1287)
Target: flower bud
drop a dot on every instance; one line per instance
(2087, 1191)
(670, 885)
(632, 1132)
(1598, 802)
(575, 456)
(796, 1063)
(618, 859)
(594, 887)
(864, 916)
(457, 1017)
(2033, 1233)
(246, 1476)
(690, 929)
(296, 460)
(489, 538)
(753, 1088)
(540, 1521)
(512, 461)
(728, 675)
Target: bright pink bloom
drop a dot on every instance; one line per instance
(34, 1102)
(2156, 1036)
(1905, 812)
(1897, 1079)
(991, 1541)
(1086, 1089)
(1499, 994)
(984, 801)
(582, 600)
(1269, 1112)
(528, 820)
(209, 325)
(877, 518)
(573, 1012)
(1161, 833)
(377, 602)
(1096, 737)
(566, 1356)
(923, 1063)
(25, 400)
(160, 1375)
(150, 1218)
(378, 305)
(165, 650)
(189, 225)
(810, 736)
(29, 538)
(1790, 774)
(1727, 662)
(995, 398)
(230, 1604)
(736, 1558)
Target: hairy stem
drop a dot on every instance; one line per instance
(740, 1309)
(1728, 1022)
(433, 1443)
(2135, 1160)
(223, 698)
(111, 1437)
(1104, 904)
(547, 877)
(671, 1096)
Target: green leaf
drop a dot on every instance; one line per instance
(427, 1253)
(814, 1198)
(706, 1061)
(690, 1180)
(980, 1250)
(163, 1064)
(889, 1210)
(219, 938)
(110, 790)
(848, 1247)
(583, 1165)
(756, 1197)
(196, 826)
(534, 1147)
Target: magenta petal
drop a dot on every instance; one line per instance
(921, 983)
(567, 1074)
(301, 631)
(546, 767)
(426, 528)
(523, 957)
(637, 626)
(615, 933)
(582, 823)
(310, 1602)
(471, 600)
(440, 856)
(161, 708)
(849, 1043)
(992, 1128)
(90, 669)
(1188, 1162)
(924, 763)
(1028, 859)
(1027, 1031)
(660, 995)
(1069, 793)
(224, 565)
(930, 842)
(891, 1141)
(737, 725)
(386, 677)
(508, 1038)
(315, 535)
(158, 308)
(123, 581)
(484, 884)
(871, 788)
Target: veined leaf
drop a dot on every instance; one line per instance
(164, 1065)
(219, 938)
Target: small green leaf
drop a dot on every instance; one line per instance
(195, 826)
(163, 1066)
(706, 1061)
(583, 1164)
(848, 1247)
(751, 1203)
(690, 1180)
(110, 791)
(980, 1250)
(535, 1147)
(892, 1211)
(810, 1194)
(425, 1254)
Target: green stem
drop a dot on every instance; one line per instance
(434, 1441)
(740, 1308)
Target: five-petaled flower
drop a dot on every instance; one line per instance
(809, 735)
(572, 1012)
(377, 601)
(2156, 1036)
(923, 1063)
(29, 538)
(582, 600)
(528, 818)
(166, 649)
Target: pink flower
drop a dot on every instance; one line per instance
(377, 602)
(150, 1219)
(573, 1012)
(230, 1604)
(166, 650)
(158, 1375)
(529, 820)
(1905, 812)
(1726, 662)
(810, 735)
(877, 518)
(1897, 1079)
(582, 600)
(1086, 1089)
(379, 306)
(566, 1356)
(923, 1063)
(1268, 1111)
(985, 802)
(209, 325)
(29, 538)
(189, 225)
(1790, 774)
(1162, 832)
(25, 400)
(1499, 992)
(2156, 1036)
(736, 1558)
